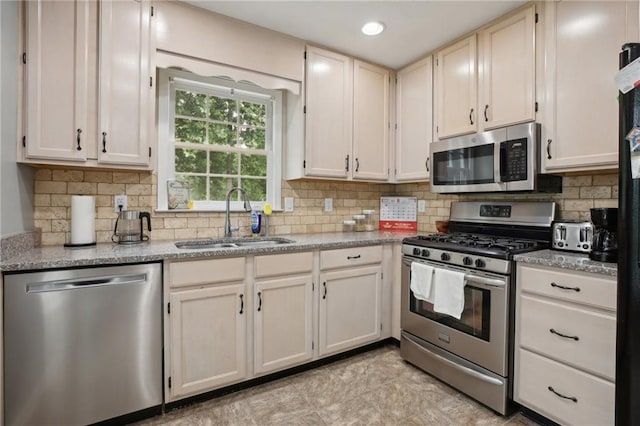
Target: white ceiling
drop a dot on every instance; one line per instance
(413, 28)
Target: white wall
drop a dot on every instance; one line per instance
(16, 181)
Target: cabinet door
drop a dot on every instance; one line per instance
(456, 94)
(583, 41)
(370, 122)
(329, 115)
(349, 308)
(126, 95)
(283, 322)
(415, 120)
(507, 71)
(57, 45)
(208, 338)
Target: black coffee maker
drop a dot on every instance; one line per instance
(605, 239)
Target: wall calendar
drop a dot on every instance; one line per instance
(398, 214)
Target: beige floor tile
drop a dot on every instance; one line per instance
(374, 388)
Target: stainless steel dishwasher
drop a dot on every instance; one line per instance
(82, 345)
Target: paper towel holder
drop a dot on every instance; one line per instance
(82, 206)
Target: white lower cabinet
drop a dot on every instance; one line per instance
(350, 299)
(206, 321)
(283, 312)
(208, 330)
(228, 320)
(565, 344)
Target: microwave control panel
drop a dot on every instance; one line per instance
(514, 159)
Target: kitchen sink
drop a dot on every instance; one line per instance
(233, 243)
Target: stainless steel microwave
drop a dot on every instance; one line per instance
(500, 160)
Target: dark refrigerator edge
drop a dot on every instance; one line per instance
(628, 306)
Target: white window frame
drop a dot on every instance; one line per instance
(167, 81)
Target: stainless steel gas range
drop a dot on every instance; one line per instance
(474, 353)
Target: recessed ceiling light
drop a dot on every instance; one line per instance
(372, 28)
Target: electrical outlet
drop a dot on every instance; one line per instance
(288, 204)
(119, 203)
(422, 206)
(328, 204)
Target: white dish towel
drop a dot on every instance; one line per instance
(448, 292)
(421, 279)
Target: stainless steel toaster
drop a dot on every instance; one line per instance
(572, 236)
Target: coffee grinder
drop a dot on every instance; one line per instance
(605, 239)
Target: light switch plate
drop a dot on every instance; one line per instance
(328, 204)
(288, 204)
(422, 206)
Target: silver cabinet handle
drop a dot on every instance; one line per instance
(74, 284)
(346, 163)
(426, 163)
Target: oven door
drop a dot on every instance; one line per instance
(480, 335)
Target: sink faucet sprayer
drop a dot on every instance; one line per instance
(228, 229)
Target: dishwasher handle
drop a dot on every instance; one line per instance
(83, 283)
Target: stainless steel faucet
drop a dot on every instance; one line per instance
(228, 229)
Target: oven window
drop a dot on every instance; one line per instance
(475, 318)
(464, 166)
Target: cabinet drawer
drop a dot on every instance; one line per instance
(594, 350)
(209, 271)
(353, 256)
(283, 264)
(580, 287)
(594, 398)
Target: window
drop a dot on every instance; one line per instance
(220, 135)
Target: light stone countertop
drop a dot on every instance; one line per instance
(108, 254)
(568, 260)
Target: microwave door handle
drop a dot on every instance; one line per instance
(503, 161)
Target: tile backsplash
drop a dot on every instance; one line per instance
(53, 189)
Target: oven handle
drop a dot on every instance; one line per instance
(462, 368)
(486, 281)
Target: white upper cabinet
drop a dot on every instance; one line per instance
(456, 89)
(126, 91)
(57, 74)
(328, 119)
(346, 119)
(580, 117)
(499, 89)
(88, 96)
(507, 71)
(414, 117)
(370, 121)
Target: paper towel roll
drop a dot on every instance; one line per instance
(83, 219)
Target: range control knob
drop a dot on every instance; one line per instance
(416, 251)
(445, 256)
(480, 263)
(425, 253)
(585, 246)
(467, 261)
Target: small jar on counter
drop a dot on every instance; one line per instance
(348, 226)
(368, 219)
(360, 225)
